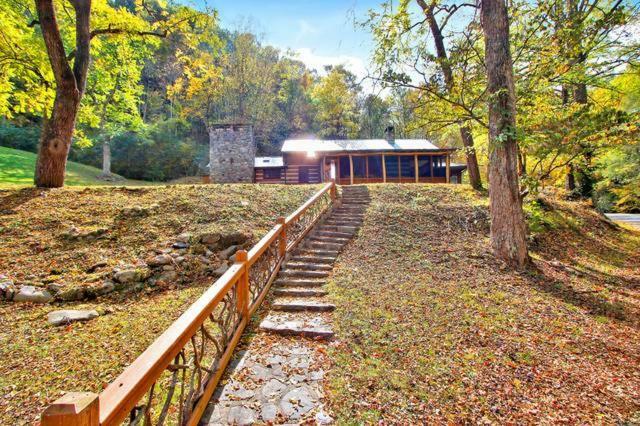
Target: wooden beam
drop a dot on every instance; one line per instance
(366, 167)
(73, 409)
(448, 168)
(415, 161)
(431, 166)
(384, 170)
(351, 167)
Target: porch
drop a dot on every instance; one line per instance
(361, 168)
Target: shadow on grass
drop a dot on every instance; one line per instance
(15, 198)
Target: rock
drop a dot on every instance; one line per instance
(226, 253)
(159, 260)
(185, 237)
(96, 266)
(269, 412)
(106, 287)
(273, 388)
(179, 259)
(168, 276)
(168, 268)
(7, 288)
(137, 211)
(30, 293)
(73, 233)
(323, 419)
(69, 316)
(241, 416)
(296, 403)
(180, 245)
(131, 275)
(233, 238)
(210, 238)
(220, 271)
(76, 293)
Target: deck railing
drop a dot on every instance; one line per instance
(172, 381)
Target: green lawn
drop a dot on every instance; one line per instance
(17, 167)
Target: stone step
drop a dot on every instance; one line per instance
(289, 273)
(299, 292)
(323, 245)
(314, 259)
(299, 324)
(328, 239)
(343, 223)
(297, 305)
(310, 251)
(347, 215)
(335, 228)
(347, 235)
(307, 266)
(292, 282)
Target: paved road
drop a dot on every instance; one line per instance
(629, 219)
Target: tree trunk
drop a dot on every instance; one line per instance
(57, 132)
(508, 230)
(570, 181)
(445, 66)
(106, 158)
(472, 160)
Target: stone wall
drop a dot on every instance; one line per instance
(232, 152)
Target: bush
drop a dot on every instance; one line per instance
(19, 137)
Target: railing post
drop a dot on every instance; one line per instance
(73, 409)
(282, 242)
(333, 190)
(243, 284)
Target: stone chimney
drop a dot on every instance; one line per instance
(390, 134)
(232, 153)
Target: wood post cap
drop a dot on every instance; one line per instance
(241, 256)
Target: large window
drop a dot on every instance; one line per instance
(345, 168)
(440, 168)
(274, 173)
(359, 167)
(391, 164)
(424, 165)
(407, 166)
(375, 166)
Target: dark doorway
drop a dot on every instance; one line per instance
(303, 175)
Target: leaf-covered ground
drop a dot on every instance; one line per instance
(431, 329)
(39, 361)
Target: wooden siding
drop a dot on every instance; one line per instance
(259, 176)
(292, 173)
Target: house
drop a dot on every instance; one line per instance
(350, 161)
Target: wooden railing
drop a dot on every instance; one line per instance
(172, 381)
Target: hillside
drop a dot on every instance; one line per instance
(74, 242)
(17, 167)
(432, 329)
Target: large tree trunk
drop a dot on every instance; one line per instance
(508, 229)
(57, 131)
(445, 66)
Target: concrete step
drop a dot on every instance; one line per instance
(307, 266)
(353, 223)
(335, 228)
(314, 259)
(296, 305)
(351, 215)
(300, 282)
(327, 239)
(310, 251)
(290, 273)
(347, 235)
(323, 245)
(297, 324)
(299, 292)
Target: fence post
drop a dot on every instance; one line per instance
(73, 409)
(282, 242)
(334, 193)
(243, 284)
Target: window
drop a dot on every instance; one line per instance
(439, 169)
(424, 166)
(391, 164)
(359, 167)
(375, 166)
(274, 173)
(407, 166)
(345, 168)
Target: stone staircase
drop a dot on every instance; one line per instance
(301, 307)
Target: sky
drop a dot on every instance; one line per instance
(320, 32)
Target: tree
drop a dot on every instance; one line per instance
(508, 229)
(335, 99)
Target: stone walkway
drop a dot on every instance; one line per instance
(278, 377)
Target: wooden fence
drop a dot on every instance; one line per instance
(172, 381)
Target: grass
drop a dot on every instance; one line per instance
(431, 329)
(17, 168)
(42, 361)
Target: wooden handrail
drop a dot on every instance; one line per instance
(125, 393)
(293, 216)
